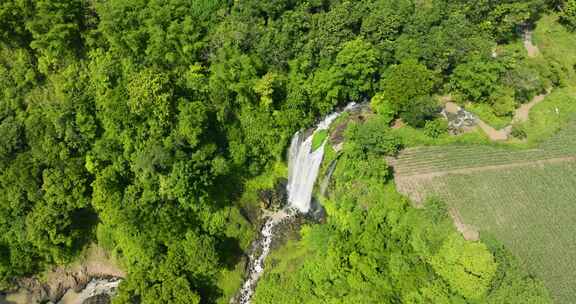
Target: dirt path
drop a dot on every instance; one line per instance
(493, 134)
(469, 233)
(522, 114)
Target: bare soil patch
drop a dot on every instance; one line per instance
(523, 112)
(469, 232)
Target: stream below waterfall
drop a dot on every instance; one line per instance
(303, 166)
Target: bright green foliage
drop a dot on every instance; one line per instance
(318, 139)
(375, 248)
(467, 267)
(373, 138)
(56, 31)
(516, 196)
(407, 88)
(503, 19)
(552, 263)
(406, 82)
(503, 102)
(351, 78)
(555, 43)
(442, 40)
(12, 30)
(477, 79)
(382, 107)
(435, 128)
(511, 285)
(139, 124)
(526, 82)
(358, 63)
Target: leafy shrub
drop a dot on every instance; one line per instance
(477, 79)
(519, 131)
(525, 80)
(436, 209)
(503, 102)
(373, 137)
(407, 88)
(468, 267)
(420, 110)
(435, 128)
(381, 106)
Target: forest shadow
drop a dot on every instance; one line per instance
(230, 252)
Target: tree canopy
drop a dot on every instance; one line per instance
(136, 124)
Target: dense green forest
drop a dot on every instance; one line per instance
(137, 124)
(376, 248)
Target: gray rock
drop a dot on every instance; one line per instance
(98, 299)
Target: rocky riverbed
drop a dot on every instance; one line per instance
(94, 279)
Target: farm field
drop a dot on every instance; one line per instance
(526, 198)
(531, 209)
(435, 159)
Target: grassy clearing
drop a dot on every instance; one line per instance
(266, 180)
(557, 60)
(530, 209)
(230, 281)
(413, 137)
(557, 45)
(291, 256)
(551, 115)
(486, 113)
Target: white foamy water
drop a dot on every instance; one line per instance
(93, 288)
(304, 164)
(256, 266)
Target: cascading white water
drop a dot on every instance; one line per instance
(303, 167)
(93, 288)
(256, 265)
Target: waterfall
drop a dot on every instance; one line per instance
(303, 167)
(304, 164)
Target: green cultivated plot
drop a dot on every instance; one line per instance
(430, 160)
(531, 209)
(526, 198)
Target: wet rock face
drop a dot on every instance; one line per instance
(98, 299)
(337, 133)
(317, 213)
(276, 198)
